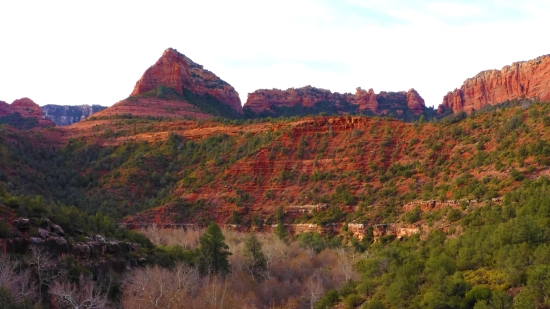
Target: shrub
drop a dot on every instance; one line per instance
(328, 300)
(413, 215)
(374, 304)
(5, 231)
(454, 215)
(516, 175)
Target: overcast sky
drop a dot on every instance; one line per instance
(93, 52)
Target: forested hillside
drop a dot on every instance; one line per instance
(440, 214)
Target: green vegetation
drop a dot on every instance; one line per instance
(15, 120)
(487, 253)
(213, 251)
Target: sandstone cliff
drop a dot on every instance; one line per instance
(527, 79)
(64, 115)
(176, 71)
(269, 101)
(23, 113)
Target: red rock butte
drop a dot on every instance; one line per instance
(265, 99)
(526, 79)
(27, 109)
(176, 71)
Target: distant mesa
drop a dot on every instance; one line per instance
(275, 101)
(23, 114)
(64, 115)
(526, 79)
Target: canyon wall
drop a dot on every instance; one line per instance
(64, 115)
(526, 79)
(269, 101)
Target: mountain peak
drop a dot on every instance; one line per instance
(174, 70)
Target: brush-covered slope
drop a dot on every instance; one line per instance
(201, 170)
(526, 79)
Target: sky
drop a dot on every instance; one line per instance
(93, 52)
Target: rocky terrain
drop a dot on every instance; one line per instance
(526, 79)
(64, 115)
(310, 99)
(24, 114)
(176, 71)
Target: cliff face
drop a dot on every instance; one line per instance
(66, 115)
(527, 79)
(23, 113)
(176, 71)
(269, 101)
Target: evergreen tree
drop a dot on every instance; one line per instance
(213, 251)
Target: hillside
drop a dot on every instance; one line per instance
(363, 178)
(256, 166)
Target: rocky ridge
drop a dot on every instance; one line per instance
(526, 79)
(176, 71)
(265, 100)
(64, 115)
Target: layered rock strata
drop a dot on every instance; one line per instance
(526, 79)
(265, 100)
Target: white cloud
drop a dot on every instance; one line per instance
(454, 9)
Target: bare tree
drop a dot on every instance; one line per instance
(87, 294)
(215, 293)
(314, 287)
(17, 280)
(346, 259)
(156, 287)
(44, 265)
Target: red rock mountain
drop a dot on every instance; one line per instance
(265, 100)
(176, 71)
(527, 79)
(26, 108)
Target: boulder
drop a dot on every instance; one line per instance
(57, 229)
(22, 223)
(43, 233)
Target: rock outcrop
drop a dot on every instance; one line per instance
(268, 101)
(176, 71)
(527, 79)
(64, 115)
(23, 113)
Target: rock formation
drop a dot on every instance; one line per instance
(265, 100)
(64, 115)
(527, 79)
(23, 113)
(176, 71)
